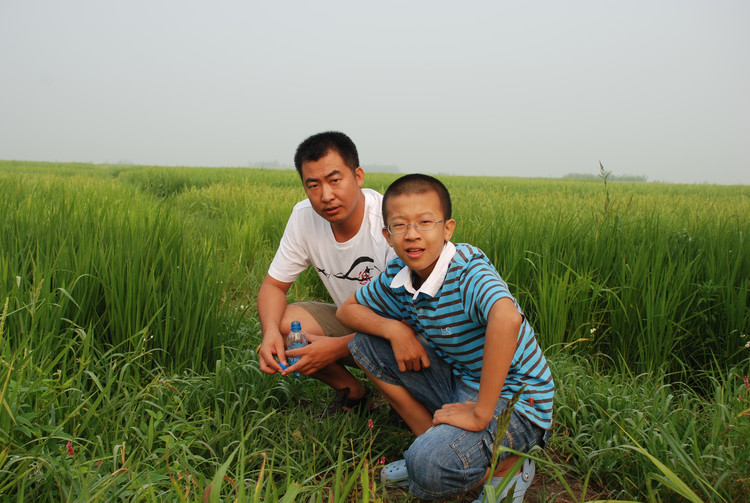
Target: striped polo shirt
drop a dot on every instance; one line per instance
(450, 311)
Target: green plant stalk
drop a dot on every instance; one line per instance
(667, 476)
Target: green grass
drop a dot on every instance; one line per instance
(128, 329)
(93, 255)
(142, 433)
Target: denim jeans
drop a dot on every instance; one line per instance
(445, 461)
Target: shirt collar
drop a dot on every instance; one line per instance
(434, 281)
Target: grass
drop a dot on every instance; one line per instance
(605, 416)
(128, 336)
(105, 259)
(141, 433)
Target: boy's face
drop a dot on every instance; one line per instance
(419, 250)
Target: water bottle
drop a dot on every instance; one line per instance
(296, 339)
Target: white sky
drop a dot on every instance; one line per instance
(543, 88)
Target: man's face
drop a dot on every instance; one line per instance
(332, 188)
(419, 250)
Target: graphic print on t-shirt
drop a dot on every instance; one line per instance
(362, 270)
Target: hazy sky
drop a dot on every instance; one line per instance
(542, 88)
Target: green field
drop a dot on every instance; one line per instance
(128, 335)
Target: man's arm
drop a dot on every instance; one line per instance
(500, 343)
(271, 306)
(407, 349)
(321, 352)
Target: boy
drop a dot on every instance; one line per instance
(448, 346)
(337, 230)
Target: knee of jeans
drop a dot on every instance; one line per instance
(436, 468)
(356, 341)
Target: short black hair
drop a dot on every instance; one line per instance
(417, 183)
(318, 145)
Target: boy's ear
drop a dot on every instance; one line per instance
(387, 236)
(449, 226)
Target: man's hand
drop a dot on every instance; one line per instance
(462, 415)
(271, 306)
(320, 352)
(272, 346)
(408, 351)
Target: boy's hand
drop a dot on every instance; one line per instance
(462, 415)
(408, 351)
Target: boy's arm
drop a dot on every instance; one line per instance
(501, 340)
(409, 352)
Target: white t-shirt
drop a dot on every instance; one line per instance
(343, 267)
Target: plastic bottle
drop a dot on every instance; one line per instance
(297, 338)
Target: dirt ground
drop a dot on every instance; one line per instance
(546, 489)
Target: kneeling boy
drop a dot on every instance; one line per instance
(447, 345)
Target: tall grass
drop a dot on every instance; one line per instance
(650, 275)
(140, 433)
(701, 439)
(128, 330)
(90, 254)
(86, 425)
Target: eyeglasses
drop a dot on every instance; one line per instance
(421, 226)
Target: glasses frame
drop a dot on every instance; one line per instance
(409, 226)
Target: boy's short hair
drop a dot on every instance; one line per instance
(318, 145)
(418, 183)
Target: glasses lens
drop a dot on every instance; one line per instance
(397, 228)
(424, 225)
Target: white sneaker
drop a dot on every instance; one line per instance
(519, 483)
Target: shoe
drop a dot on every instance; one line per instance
(341, 402)
(518, 484)
(394, 474)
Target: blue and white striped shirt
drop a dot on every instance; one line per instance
(450, 311)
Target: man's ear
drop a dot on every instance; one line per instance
(359, 175)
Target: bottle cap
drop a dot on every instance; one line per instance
(296, 327)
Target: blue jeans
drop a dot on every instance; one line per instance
(445, 461)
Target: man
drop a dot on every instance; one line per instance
(337, 230)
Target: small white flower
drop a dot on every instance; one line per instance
(592, 330)
(747, 345)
